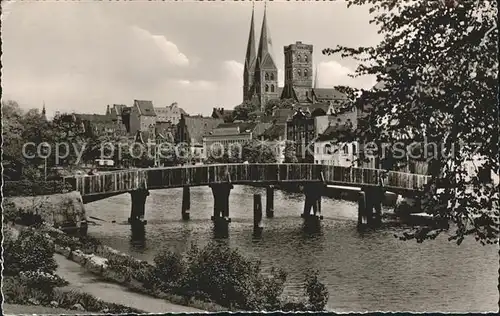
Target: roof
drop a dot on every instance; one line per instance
(333, 132)
(274, 132)
(223, 114)
(328, 94)
(198, 126)
(95, 118)
(145, 107)
(243, 126)
(118, 108)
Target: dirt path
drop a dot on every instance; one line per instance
(84, 281)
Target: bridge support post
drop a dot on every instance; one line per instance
(186, 203)
(270, 201)
(138, 206)
(370, 207)
(257, 215)
(221, 207)
(313, 193)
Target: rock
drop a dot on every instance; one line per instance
(33, 301)
(55, 209)
(78, 307)
(79, 257)
(54, 304)
(96, 264)
(113, 276)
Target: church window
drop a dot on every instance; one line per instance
(267, 88)
(305, 72)
(305, 58)
(307, 94)
(272, 76)
(299, 72)
(299, 58)
(267, 76)
(272, 88)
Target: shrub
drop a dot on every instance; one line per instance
(169, 268)
(31, 251)
(222, 275)
(43, 281)
(316, 292)
(31, 188)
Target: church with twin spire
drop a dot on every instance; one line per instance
(260, 74)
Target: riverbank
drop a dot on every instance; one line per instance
(82, 280)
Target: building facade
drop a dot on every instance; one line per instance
(171, 113)
(142, 117)
(298, 72)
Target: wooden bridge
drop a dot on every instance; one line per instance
(222, 177)
(200, 175)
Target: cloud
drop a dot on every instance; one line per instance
(171, 52)
(332, 73)
(233, 69)
(196, 84)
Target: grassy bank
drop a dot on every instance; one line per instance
(213, 278)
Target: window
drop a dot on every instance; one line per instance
(328, 149)
(305, 72)
(354, 149)
(299, 72)
(299, 58)
(305, 58)
(267, 76)
(307, 94)
(272, 76)
(345, 148)
(267, 88)
(272, 88)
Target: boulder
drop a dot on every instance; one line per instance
(78, 307)
(79, 257)
(96, 264)
(56, 210)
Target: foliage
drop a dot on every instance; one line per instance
(169, 268)
(43, 281)
(32, 188)
(17, 290)
(290, 153)
(316, 292)
(242, 111)
(30, 251)
(258, 152)
(437, 70)
(275, 104)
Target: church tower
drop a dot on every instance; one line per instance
(298, 72)
(250, 60)
(266, 72)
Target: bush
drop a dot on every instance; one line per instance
(221, 275)
(31, 188)
(43, 281)
(19, 291)
(169, 268)
(31, 251)
(316, 292)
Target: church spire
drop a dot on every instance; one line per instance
(250, 58)
(44, 113)
(265, 44)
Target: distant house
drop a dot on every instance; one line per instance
(221, 113)
(142, 117)
(191, 129)
(171, 113)
(99, 124)
(333, 147)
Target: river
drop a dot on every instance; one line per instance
(371, 271)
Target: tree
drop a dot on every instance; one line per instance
(258, 152)
(12, 144)
(274, 104)
(242, 111)
(290, 153)
(437, 70)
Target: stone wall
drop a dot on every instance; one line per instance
(56, 210)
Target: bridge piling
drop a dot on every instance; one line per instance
(221, 217)
(270, 201)
(370, 207)
(257, 214)
(138, 208)
(186, 203)
(313, 193)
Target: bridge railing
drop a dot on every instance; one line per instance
(195, 175)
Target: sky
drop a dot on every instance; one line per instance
(81, 56)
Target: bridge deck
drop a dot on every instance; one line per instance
(199, 175)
